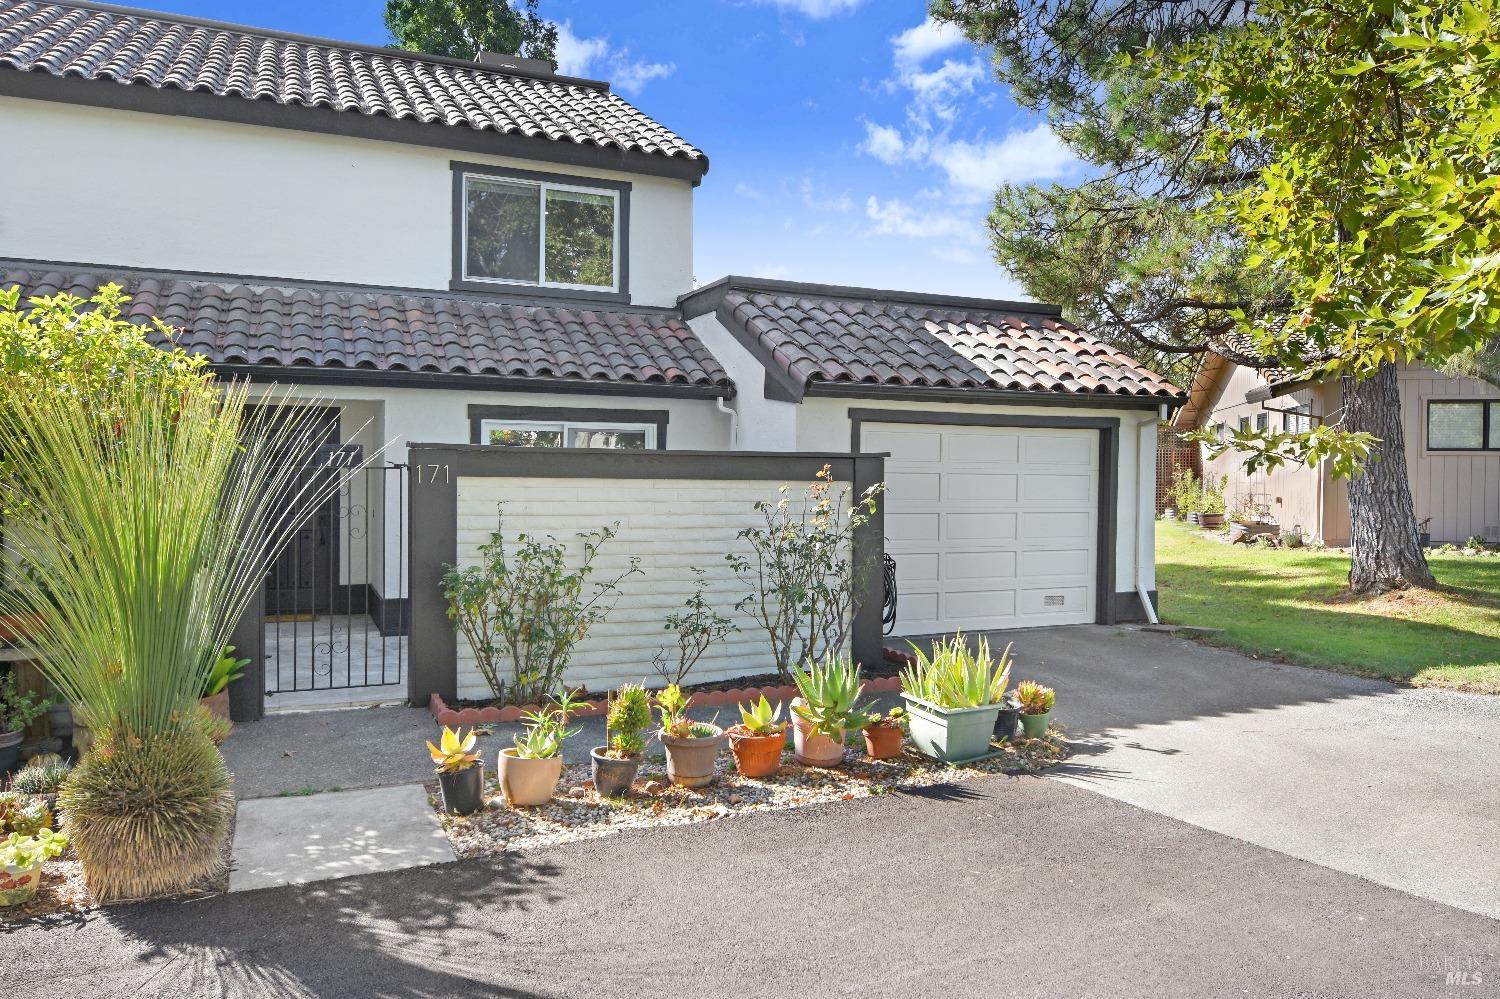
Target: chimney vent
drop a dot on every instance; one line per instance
(516, 64)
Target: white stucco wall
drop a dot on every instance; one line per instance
(673, 525)
(823, 425)
(156, 191)
(764, 424)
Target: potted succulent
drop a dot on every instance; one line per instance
(691, 745)
(226, 670)
(759, 738)
(41, 777)
(460, 772)
(617, 761)
(1036, 707)
(883, 734)
(21, 860)
(955, 696)
(17, 710)
(17, 815)
(530, 770)
(825, 711)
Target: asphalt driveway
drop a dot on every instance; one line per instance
(998, 887)
(1398, 785)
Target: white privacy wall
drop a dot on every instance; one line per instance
(672, 524)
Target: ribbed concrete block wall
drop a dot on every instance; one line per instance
(673, 525)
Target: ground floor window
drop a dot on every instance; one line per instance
(1470, 425)
(526, 433)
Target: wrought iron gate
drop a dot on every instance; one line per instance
(336, 609)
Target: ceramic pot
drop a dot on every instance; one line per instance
(756, 756)
(690, 762)
(814, 750)
(613, 778)
(19, 884)
(882, 742)
(1036, 725)
(463, 792)
(528, 783)
(952, 735)
(10, 749)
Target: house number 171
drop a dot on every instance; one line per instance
(432, 474)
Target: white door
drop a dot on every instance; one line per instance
(990, 527)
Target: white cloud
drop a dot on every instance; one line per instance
(896, 218)
(820, 201)
(885, 143)
(976, 169)
(914, 45)
(596, 57)
(816, 9)
(936, 90)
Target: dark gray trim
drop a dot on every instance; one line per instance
(707, 297)
(867, 639)
(106, 93)
(1128, 609)
(298, 374)
(656, 417)
(622, 241)
(247, 695)
(982, 396)
(1109, 473)
(433, 514)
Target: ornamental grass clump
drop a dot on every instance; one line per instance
(147, 508)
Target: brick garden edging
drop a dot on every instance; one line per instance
(453, 717)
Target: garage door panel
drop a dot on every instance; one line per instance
(984, 446)
(978, 526)
(990, 528)
(993, 487)
(1057, 449)
(1057, 487)
(979, 565)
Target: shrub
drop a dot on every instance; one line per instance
(1185, 492)
(1212, 498)
(528, 607)
(803, 577)
(148, 815)
(698, 626)
(17, 710)
(1475, 542)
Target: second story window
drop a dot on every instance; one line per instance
(524, 229)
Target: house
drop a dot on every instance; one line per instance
(487, 253)
(1451, 427)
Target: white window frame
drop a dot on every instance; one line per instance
(543, 186)
(566, 429)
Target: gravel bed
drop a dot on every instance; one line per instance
(578, 812)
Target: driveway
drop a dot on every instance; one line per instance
(1397, 785)
(997, 887)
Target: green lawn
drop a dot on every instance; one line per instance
(1287, 604)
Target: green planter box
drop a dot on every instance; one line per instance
(952, 736)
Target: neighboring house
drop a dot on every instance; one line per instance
(486, 252)
(1452, 431)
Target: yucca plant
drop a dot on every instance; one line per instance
(830, 695)
(147, 508)
(954, 676)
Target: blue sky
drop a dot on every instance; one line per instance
(850, 141)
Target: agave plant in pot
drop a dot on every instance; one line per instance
(460, 771)
(530, 770)
(617, 761)
(691, 746)
(826, 710)
(954, 697)
(759, 738)
(1036, 707)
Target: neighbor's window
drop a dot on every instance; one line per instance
(1463, 426)
(1296, 421)
(619, 437)
(1262, 420)
(536, 232)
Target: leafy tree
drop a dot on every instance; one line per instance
(464, 28)
(1309, 190)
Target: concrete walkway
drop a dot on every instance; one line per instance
(1397, 785)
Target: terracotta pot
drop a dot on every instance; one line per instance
(814, 750)
(882, 742)
(690, 762)
(14, 627)
(527, 783)
(756, 756)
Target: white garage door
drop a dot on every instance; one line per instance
(990, 527)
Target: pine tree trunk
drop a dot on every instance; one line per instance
(1382, 520)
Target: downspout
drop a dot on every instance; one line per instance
(734, 422)
(1145, 500)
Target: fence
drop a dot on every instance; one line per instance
(1173, 454)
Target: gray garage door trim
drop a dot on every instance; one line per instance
(1109, 472)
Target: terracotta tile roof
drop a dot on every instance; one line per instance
(148, 49)
(820, 336)
(381, 331)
